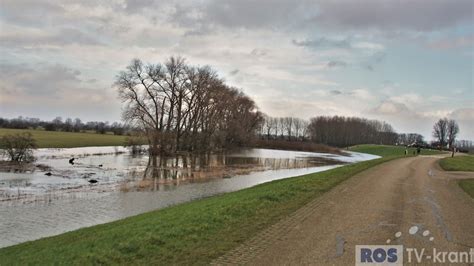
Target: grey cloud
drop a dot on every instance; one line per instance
(465, 118)
(417, 15)
(335, 92)
(135, 6)
(234, 72)
(374, 60)
(324, 43)
(30, 12)
(368, 67)
(259, 52)
(239, 14)
(197, 32)
(63, 36)
(336, 63)
(389, 107)
(40, 79)
(452, 43)
(463, 114)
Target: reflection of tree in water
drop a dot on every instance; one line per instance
(202, 167)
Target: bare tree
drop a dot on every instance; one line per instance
(452, 132)
(288, 125)
(440, 131)
(68, 125)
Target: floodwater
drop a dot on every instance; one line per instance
(33, 205)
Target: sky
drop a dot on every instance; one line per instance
(408, 63)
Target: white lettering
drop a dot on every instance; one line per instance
(453, 257)
(437, 256)
(463, 257)
(419, 256)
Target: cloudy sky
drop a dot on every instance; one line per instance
(405, 62)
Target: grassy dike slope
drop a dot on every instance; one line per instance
(189, 233)
(460, 163)
(56, 139)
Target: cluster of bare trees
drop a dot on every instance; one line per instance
(445, 132)
(343, 131)
(185, 108)
(290, 128)
(464, 145)
(410, 139)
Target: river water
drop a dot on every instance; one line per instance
(34, 205)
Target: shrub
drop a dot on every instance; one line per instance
(18, 147)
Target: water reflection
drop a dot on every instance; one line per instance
(187, 168)
(115, 169)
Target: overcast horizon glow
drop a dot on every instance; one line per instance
(408, 63)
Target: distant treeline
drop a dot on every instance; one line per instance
(410, 139)
(68, 125)
(343, 131)
(284, 128)
(338, 131)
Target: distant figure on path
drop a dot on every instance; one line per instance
(71, 161)
(418, 150)
(406, 151)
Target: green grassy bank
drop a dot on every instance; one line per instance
(56, 139)
(386, 150)
(191, 233)
(458, 163)
(468, 186)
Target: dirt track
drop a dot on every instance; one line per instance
(369, 209)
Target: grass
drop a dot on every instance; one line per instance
(386, 150)
(191, 233)
(468, 186)
(56, 139)
(458, 163)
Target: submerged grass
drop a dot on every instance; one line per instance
(57, 139)
(191, 233)
(458, 163)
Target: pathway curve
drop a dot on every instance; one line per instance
(369, 209)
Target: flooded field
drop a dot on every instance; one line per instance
(103, 184)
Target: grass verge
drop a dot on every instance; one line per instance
(468, 186)
(56, 139)
(386, 150)
(191, 233)
(458, 163)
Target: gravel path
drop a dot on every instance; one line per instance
(410, 194)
